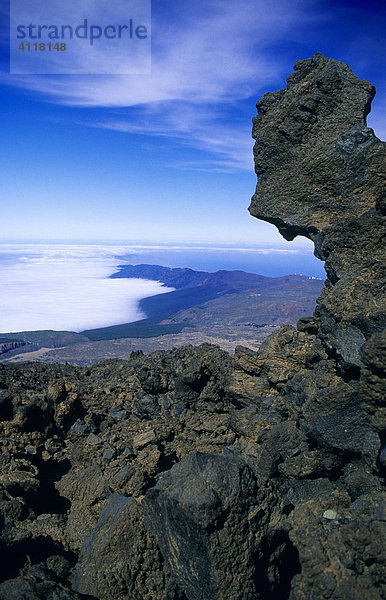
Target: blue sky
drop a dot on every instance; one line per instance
(168, 156)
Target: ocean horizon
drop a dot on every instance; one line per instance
(67, 286)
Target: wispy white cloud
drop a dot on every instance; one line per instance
(201, 127)
(202, 57)
(206, 58)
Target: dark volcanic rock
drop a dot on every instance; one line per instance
(200, 514)
(189, 475)
(119, 559)
(36, 588)
(321, 174)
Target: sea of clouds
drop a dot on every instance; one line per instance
(67, 287)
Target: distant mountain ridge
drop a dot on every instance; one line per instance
(181, 278)
(226, 306)
(171, 277)
(215, 284)
(200, 288)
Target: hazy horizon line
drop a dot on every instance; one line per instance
(162, 244)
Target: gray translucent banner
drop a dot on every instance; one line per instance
(111, 37)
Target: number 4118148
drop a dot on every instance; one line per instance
(42, 47)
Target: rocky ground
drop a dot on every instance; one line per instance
(192, 475)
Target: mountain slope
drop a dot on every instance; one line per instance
(224, 297)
